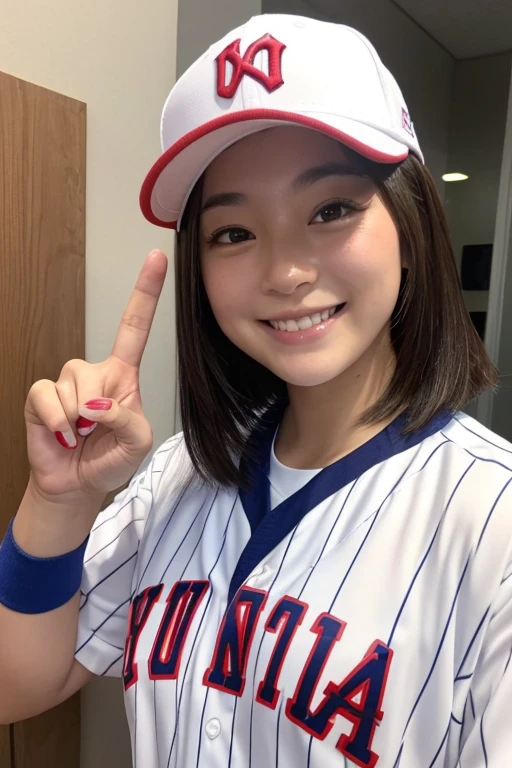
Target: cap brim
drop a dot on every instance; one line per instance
(170, 181)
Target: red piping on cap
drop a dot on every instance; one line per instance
(240, 117)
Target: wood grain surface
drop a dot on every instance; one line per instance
(42, 262)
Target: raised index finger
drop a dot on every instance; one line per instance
(135, 325)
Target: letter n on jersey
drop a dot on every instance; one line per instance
(229, 663)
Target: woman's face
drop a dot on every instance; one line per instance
(300, 258)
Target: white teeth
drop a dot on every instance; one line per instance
(308, 321)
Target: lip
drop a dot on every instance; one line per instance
(304, 312)
(307, 335)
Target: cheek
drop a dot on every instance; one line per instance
(225, 288)
(371, 266)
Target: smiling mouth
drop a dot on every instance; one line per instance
(305, 322)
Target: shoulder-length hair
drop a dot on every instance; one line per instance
(440, 360)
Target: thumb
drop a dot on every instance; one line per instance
(130, 428)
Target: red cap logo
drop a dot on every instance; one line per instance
(244, 65)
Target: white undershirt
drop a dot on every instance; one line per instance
(285, 481)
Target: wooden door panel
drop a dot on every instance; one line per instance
(5, 746)
(42, 261)
(51, 739)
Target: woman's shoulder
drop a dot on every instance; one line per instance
(173, 476)
(171, 464)
(461, 490)
(487, 448)
(475, 466)
(474, 480)
(168, 453)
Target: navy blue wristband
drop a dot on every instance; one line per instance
(37, 584)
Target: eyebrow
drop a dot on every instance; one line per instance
(223, 198)
(305, 179)
(319, 172)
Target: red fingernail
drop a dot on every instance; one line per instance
(84, 427)
(62, 440)
(83, 423)
(100, 404)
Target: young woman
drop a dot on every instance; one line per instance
(317, 572)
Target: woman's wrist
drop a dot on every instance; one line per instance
(49, 528)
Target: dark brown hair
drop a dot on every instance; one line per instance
(440, 359)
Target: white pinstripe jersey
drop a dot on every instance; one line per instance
(365, 621)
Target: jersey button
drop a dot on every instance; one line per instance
(213, 728)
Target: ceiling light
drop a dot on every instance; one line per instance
(455, 177)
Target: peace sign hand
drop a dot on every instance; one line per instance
(86, 432)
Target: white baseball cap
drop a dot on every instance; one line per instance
(276, 69)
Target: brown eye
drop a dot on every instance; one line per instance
(336, 210)
(231, 236)
(330, 212)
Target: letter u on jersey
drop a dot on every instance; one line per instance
(357, 698)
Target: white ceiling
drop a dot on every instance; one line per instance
(466, 28)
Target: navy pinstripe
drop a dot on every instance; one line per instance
(161, 537)
(439, 648)
(422, 563)
(477, 632)
(481, 437)
(105, 578)
(440, 747)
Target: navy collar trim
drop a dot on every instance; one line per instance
(268, 530)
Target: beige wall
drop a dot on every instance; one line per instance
(120, 58)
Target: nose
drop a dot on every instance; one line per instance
(287, 269)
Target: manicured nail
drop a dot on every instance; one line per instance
(100, 404)
(66, 439)
(84, 426)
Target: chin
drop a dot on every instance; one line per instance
(309, 376)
